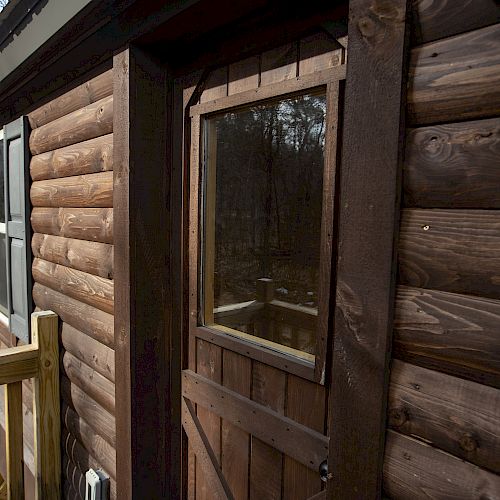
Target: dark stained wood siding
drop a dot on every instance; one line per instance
(253, 468)
(72, 219)
(444, 398)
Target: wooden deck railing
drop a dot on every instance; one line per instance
(38, 361)
(282, 322)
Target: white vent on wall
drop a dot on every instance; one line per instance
(97, 485)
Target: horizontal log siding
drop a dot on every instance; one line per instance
(444, 392)
(72, 220)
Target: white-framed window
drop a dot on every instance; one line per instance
(15, 247)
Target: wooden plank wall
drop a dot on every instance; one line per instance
(444, 402)
(72, 221)
(252, 468)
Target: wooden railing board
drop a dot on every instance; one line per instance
(45, 414)
(14, 440)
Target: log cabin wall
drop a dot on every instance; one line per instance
(71, 144)
(444, 399)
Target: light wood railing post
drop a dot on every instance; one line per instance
(46, 407)
(14, 440)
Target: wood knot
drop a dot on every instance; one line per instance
(398, 417)
(367, 27)
(47, 363)
(468, 443)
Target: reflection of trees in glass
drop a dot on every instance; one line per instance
(269, 195)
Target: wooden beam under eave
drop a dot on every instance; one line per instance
(142, 278)
(369, 211)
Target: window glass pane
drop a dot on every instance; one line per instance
(3, 276)
(263, 202)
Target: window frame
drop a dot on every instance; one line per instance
(3, 230)
(251, 346)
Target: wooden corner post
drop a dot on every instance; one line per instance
(142, 241)
(46, 406)
(369, 213)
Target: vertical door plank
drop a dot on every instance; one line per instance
(216, 86)
(209, 364)
(266, 467)
(306, 405)
(317, 52)
(237, 376)
(243, 75)
(369, 210)
(279, 64)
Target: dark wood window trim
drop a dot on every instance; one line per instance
(370, 187)
(330, 80)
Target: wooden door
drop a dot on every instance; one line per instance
(263, 172)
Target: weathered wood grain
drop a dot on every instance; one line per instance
(284, 434)
(235, 442)
(455, 415)
(370, 172)
(456, 165)
(209, 365)
(94, 120)
(206, 460)
(87, 288)
(88, 256)
(89, 320)
(90, 224)
(91, 91)
(95, 444)
(451, 250)
(88, 157)
(414, 469)
(14, 440)
(147, 397)
(93, 353)
(18, 363)
(456, 78)
(89, 190)
(46, 406)
(305, 403)
(243, 75)
(266, 464)
(99, 388)
(216, 85)
(94, 414)
(279, 64)
(317, 52)
(453, 333)
(434, 19)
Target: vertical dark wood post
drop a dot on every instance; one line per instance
(142, 169)
(369, 208)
